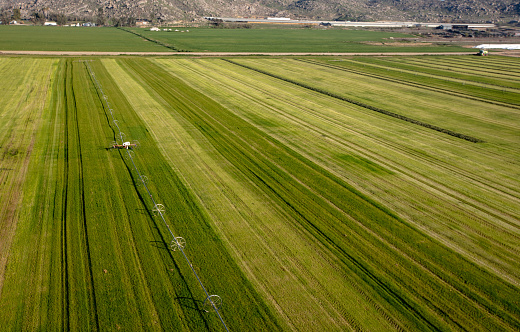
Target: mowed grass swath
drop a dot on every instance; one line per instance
(307, 198)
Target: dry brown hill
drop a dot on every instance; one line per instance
(359, 10)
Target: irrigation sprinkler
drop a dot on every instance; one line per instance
(130, 155)
(178, 243)
(158, 208)
(212, 302)
(135, 144)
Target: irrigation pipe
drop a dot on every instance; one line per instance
(156, 206)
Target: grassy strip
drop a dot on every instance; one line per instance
(319, 202)
(372, 108)
(18, 119)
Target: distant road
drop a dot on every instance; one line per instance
(86, 53)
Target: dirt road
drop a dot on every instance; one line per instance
(88, 53)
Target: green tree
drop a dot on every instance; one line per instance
(37, 18)
(130, 21)
(17, 16)
(61, 19)
(100, 17)
(5, 17)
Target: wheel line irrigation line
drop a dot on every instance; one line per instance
(157, 207)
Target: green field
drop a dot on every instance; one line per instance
(353, 193)
(54, 38)
(107, 39)
(287, 40)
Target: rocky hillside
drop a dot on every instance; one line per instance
(193, 10)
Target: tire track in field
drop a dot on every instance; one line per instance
(74, 124)
(64, 249)
(364, 152)
(354, 102)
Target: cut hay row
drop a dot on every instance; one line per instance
(373, 108)
(493, 92)
(493, 66)
(474, 69)
(452, 113)
(444, 72)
